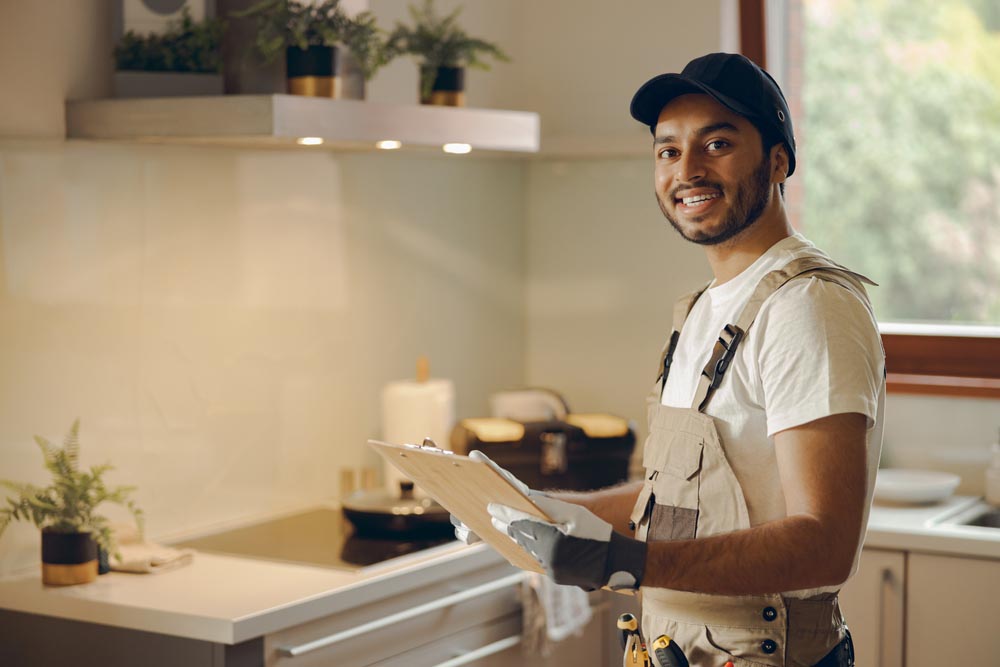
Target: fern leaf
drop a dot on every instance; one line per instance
(48, 449)
(71, 445)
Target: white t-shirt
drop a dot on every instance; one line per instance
(813, 351)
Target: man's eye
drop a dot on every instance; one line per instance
(668, 153)
(717, 145)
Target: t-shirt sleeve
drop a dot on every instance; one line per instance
(818, 353)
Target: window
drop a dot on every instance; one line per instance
(897, 111)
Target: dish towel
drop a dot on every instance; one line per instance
(551, 613)
(142, 557)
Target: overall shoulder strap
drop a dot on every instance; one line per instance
(816, 265)
(682, 308)
(733, 334)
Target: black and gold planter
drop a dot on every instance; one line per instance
(448, 89)
(312, 71)
(68, 558)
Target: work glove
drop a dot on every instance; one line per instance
(462, 532)
(577, 547)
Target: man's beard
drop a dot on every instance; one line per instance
(751, 198)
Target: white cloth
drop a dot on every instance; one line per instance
(813, 351)
(141, 557)
(552, 612)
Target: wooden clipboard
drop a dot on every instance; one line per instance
(464, 487)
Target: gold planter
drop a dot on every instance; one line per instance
(68, 558)
(447, 88)
(312, 71)
(314, 86)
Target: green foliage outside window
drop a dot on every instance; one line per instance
(902, 143)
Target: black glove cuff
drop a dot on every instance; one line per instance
(626, 564)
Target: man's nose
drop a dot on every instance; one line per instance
(690, 167)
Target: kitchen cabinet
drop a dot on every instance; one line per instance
(471, 618)
(479, 626)
(873, 602)
(438, 622)
(953, 611)
(910, 609)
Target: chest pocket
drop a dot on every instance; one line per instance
(673, 464)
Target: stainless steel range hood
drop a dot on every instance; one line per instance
(279, 120)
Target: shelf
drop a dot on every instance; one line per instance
(278, 120)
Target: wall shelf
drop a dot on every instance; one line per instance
(279, 120)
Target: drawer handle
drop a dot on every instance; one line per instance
(482, 652)
(388, 621)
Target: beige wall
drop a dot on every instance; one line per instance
(222, 320)
(49, 52)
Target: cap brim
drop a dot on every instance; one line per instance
(652, 96)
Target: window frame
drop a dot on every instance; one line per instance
(944, 360)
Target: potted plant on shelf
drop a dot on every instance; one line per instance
(308, 35)
(65, 511)
(444, 50)
(185, 59)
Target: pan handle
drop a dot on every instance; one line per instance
(413, 612)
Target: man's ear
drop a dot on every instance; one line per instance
(779, 163)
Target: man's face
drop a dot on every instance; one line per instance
(712, 178)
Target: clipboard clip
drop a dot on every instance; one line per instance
(429, 445)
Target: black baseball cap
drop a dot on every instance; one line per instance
(732, 80)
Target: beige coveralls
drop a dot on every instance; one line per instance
(690, 491)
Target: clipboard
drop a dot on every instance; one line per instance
(464, 487)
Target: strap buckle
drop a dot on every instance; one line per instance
(668, 358)
(722, 355)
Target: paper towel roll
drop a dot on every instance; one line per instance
(412, 411)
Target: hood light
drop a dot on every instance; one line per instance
(309, 141)
(388, 144)
(457, 149)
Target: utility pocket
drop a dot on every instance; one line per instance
(673, 467)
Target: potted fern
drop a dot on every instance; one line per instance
(185, 59)
(444, 51)
(65, 511)
(308, 35)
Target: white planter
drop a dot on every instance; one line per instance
(166, 84)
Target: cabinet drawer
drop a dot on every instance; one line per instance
(493, 644)
(375, 632)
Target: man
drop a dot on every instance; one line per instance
(765, 421)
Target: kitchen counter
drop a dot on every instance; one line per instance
(228, 600)
(925, 528)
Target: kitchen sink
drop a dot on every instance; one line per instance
(980, 516)
(987, 519)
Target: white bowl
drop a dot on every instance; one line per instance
(914, 486)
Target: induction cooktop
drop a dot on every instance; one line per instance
(320, 536)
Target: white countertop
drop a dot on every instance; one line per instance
(924, 528)
(228, 599)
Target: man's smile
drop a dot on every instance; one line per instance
(696, 201)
